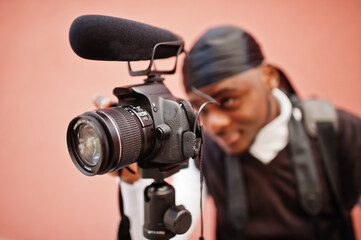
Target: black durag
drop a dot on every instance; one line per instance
(223, 52)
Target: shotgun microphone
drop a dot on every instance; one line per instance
(98, 37)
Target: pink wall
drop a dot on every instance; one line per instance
(44, 85)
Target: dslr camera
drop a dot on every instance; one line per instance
(148, 125)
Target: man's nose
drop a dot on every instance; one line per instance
(216, 120)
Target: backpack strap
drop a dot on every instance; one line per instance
(321, 122)
(316, 111)
(307, 179)
(308, 184)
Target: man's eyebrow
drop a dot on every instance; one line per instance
(212, 96)
(223, 91)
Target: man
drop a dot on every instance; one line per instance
(268, 179)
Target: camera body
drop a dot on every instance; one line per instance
(173, 120)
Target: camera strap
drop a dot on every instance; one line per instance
(124, 224)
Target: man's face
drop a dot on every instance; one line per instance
(246, 104)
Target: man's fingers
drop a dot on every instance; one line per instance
(101, 101)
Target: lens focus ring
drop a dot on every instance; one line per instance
(130, 134)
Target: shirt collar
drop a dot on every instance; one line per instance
(273, 137)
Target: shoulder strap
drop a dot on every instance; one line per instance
(308, 184)
(318, 110)
(307, 179)
(321, 122)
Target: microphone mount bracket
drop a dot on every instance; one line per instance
(176, 46)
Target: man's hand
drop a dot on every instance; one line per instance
(128, 176)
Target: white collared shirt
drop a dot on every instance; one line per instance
(273, 137)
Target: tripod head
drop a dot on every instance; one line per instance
(162, 218)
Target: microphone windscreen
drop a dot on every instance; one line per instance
(98, 37)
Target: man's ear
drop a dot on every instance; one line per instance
(271, 76)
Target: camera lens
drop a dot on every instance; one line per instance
(88, 144)
(107, 140)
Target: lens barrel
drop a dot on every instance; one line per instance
(107, 140)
